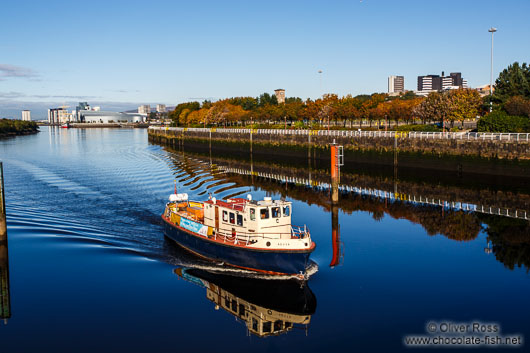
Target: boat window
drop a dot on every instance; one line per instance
(227, 302)
(234, 305)
(252, 214)
(240, 220)
(275, 212)
(255, 325)
(232, 218)
(241, 310)
(267, 326)
(225, 216)
(286, 211)
(264, 213)
(278, 325)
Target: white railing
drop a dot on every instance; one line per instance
(477, 136)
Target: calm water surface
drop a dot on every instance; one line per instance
(89, 269)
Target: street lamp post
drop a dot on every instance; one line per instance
(491, 30)
(320, 81)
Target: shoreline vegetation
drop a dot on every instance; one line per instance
(507, 110)
(10, 127)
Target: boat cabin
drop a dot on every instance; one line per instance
(246, 216)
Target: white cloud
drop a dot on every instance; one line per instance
(7, 71)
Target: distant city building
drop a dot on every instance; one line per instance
(161, 108)
(26, 115)
(396, 84)
(80, 107)
(103, 117)
(57, 115)
(280, 95)
(484, 90)
(144, 109)
(431, 83)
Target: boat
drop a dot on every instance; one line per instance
(265, 307)
(65, 125)
(241, 233)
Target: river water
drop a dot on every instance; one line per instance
(87, 267)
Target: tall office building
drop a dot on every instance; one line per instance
(144, 109)
(26, 115)
(429, 83)
(439, 83)
(161, 108)
(396, 84)
(280, 95)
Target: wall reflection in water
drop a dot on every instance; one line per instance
(459, 213)
(5, 305)
(265, 307)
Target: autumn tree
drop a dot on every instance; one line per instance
(176, 114)
(463, 104)
(518, 105)
(435, 107)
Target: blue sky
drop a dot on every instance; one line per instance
(119, 54)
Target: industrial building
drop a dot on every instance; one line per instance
(103, 117)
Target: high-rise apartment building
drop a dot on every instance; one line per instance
(396, 84)
(161, 108)
(26, 115)
(59, 115)
(144, 109)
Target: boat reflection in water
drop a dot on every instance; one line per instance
(266, 307)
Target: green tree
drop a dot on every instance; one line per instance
(499, 121)
(513, 81)
(266, 98)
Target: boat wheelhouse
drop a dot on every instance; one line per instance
(252, 235)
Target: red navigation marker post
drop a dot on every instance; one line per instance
(337, 160)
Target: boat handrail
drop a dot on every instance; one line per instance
(247, 237)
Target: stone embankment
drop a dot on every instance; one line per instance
(502, 154)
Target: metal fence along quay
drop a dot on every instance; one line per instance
(483, 136)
